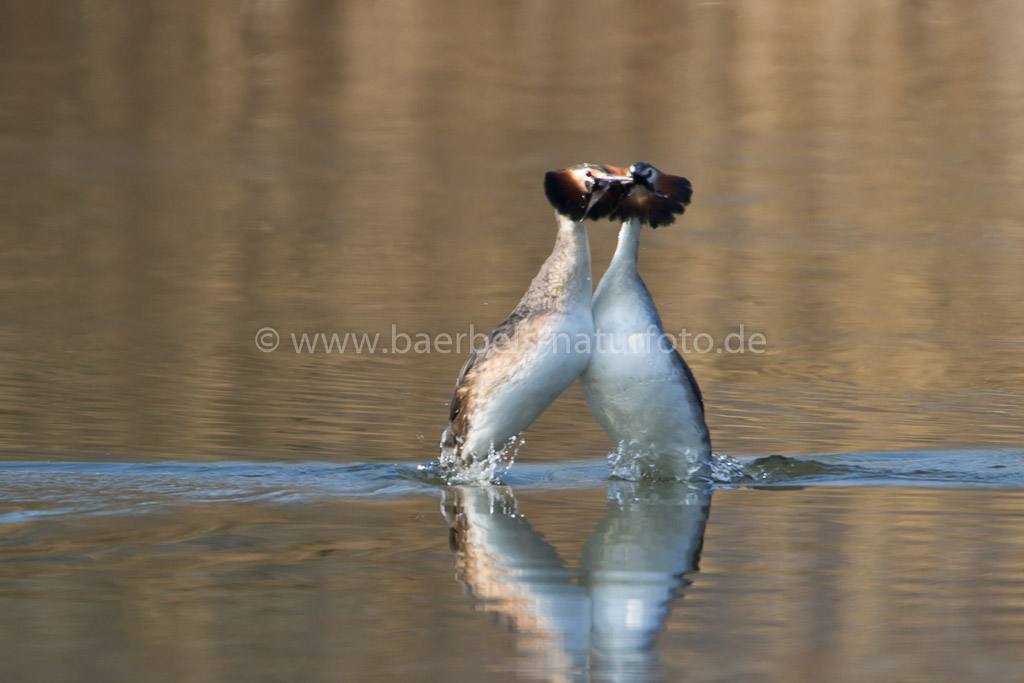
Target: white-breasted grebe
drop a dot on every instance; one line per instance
(637, 385)
(528, 360)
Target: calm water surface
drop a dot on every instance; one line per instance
(176, 504)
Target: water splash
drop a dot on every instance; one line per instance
(727, 470)
(633, 462)
(489, 469)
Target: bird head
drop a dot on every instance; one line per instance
(587, 190)
(654, 198)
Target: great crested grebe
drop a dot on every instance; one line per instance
(544, 345)
(637, 385)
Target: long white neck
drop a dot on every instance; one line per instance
(629, 244)
(622, 278)
(564, 279)
(622, 301)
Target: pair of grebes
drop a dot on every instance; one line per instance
(636, 384)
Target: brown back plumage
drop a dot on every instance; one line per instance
(458, 409)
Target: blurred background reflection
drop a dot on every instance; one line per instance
(178, 176)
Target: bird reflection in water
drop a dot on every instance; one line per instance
(603, 620)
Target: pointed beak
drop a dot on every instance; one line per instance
(595, 197)
(605, 180)
(613, 178)
(602, 183)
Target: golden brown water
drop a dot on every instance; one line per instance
(176, 176)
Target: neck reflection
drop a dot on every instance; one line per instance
(603, 619)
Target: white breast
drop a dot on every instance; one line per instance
(535, 374)
(637, 387)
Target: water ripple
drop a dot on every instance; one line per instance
(36, 490)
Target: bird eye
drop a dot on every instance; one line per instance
(644, 171)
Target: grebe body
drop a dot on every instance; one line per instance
(543, 346)
(637, 385)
